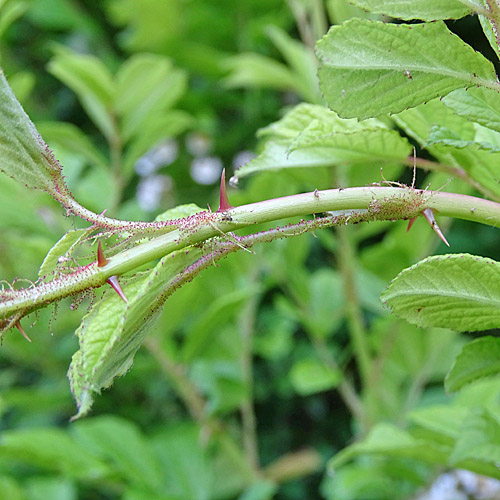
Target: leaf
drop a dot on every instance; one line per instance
(112, 332)
(370, 68)
(25, 156)
(461, 292)
(419, 122)
(255, 70)
(425, 10)
(42, 488)
(309, 376)
(121, 443)
(62, 248)
(476, 104)
(300, 58)
(478, 444)
(73, 140)
(51, 449)
(388, 440)
(146, 86)
(479, 358)
(313, 136)
(91, 81)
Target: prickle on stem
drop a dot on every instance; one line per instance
(224, 202)
(21, 330)
(112, 280)
(428, 213)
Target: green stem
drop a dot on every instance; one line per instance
(350, 205)
(347, 267)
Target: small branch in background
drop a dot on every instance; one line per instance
(186, 390)
(294, 465)
(248, 419)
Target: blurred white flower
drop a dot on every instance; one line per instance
(206, 170)
(160, 156)
(242, 158)
(151, 190)
(198, 144)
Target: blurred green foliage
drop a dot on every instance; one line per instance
(242, 390)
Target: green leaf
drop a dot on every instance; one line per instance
(369, 68)
(146, 86)
(25, 156)
(73, 140)
(461, 292)
(91, 81)
(478, 444)
(425, 10)
(112, 332)
(61, 250)
(255, 70)
(421, 121)
(9, 489)
(309, 376)
(476, 104)
(51, 449)
(313, 136)
(388, 440)
(42, 488)
(479, 358)
(121, 443)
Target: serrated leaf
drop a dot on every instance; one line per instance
(425, 10)
(461, 292)
(146, 86)
(313, 136)
(490, 31)
(112, 332)
(480, 165)
(91, 81)
(178, 212)
(25, 156)
(479, 358)
(369, 68)
(476, 104)
(67, 242)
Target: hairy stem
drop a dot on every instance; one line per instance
(351, 205)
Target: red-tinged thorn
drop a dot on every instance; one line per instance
(113, 281)
(410, 223)
(101, 260)
(224, 202)
(429, 215)
(21, 330)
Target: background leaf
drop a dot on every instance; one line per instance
(426, 10)
(479, 358)
(459, 291)
(368, 68)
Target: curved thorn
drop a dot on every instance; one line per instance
(429, 215)
(21, 330)
(224, 202)
(113, 281)
(410, 223)
(101, 260)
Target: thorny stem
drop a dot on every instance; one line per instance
(450, 170)
(350, 205)
(493, 13)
